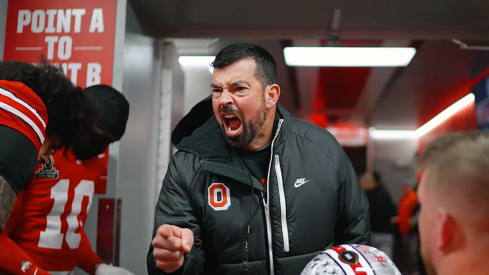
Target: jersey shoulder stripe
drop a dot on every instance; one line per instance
(21, 109)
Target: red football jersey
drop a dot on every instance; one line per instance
(50, 212)
(22, 109)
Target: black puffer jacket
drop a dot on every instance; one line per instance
(314, 200)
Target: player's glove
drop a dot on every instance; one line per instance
(104, 269)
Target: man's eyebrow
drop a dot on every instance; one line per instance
(234, 83)
(239, 82)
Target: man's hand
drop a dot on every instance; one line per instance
(104, 269)
(170, 244)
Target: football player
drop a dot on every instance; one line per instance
(50, 212)
(29, 95)
(453, 194)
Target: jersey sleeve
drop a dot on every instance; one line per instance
(13, 260)
(86, 258)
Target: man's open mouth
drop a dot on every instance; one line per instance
(232, 124)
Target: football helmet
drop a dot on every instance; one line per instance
(351, 259)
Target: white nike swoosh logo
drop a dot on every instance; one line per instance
(297, 184)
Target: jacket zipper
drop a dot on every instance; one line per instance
(269, 237)
(283, 209)
(266, 202)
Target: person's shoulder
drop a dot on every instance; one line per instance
(182, 170)
(100, 160)
(317, 135)
(309, 130)
(185, 162)
(184, 155)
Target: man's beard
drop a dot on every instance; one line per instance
(249, 130)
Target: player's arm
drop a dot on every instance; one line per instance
(13, 260)
(7, 200)
(86, 258)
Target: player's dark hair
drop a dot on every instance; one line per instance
(113, 110)
(266, 69)
(71, 113)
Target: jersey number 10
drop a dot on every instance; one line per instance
(52, 237)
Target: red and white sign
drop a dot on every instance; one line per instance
(349, 135)
(76, 35)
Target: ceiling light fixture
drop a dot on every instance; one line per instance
(197, 61)
(445, 114)
(391, 134)
(428, 126)
(349, 56)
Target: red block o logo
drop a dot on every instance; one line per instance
(219, 197)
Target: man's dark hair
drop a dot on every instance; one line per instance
(71, 113)
(266, 70)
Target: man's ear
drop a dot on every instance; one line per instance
(272, 95)
(446, 230)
